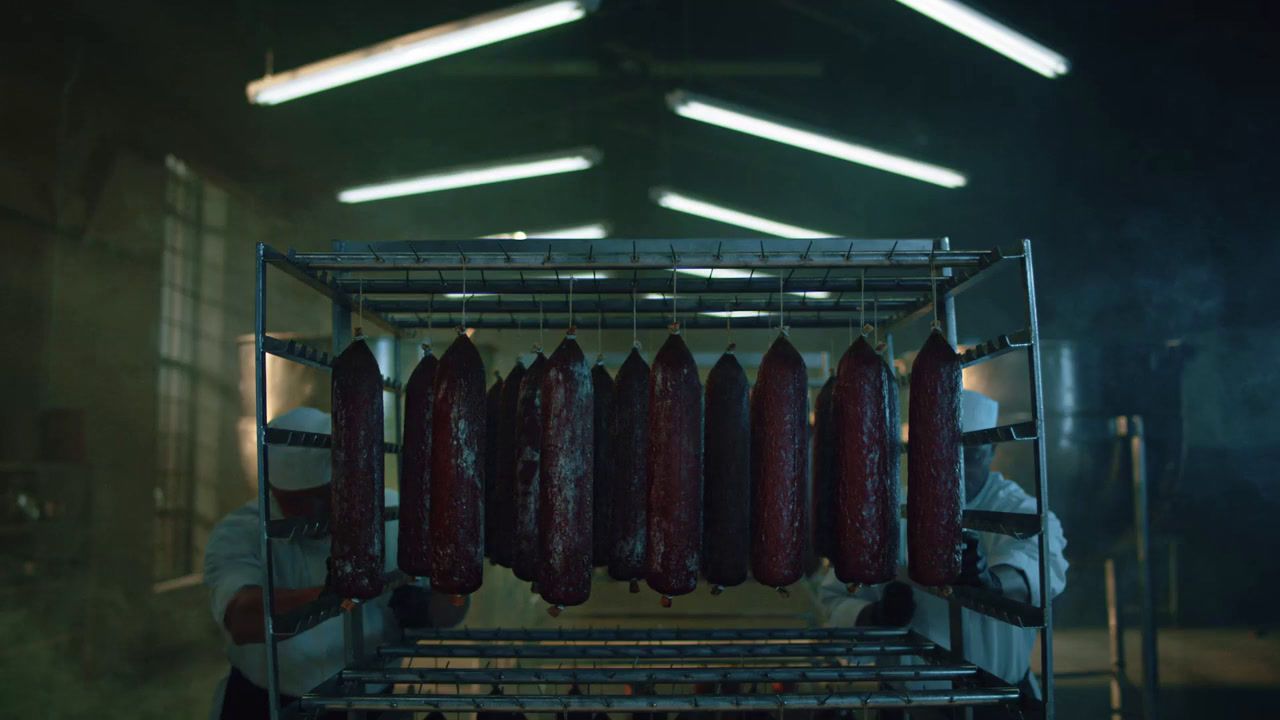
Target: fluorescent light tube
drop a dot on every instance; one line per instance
(679, 202)
(469, 296)
(734, 313)
(997, 36)
(470, 175)
(591, 231)
(715, 112)
(418, 47)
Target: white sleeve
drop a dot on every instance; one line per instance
(231, 562)
(1024, 555)
(839, 608)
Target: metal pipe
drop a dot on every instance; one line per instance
(264, 504)
(660, 703)
(1039, 454)
(664, 652)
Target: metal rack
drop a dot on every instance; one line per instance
(513, 284)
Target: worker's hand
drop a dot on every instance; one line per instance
(412, 606)
(895, 608)
(973, 566)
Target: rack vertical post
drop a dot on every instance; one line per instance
(264, 500)
(1042, 476)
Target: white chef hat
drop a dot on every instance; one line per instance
(977, 411)
(300, 468)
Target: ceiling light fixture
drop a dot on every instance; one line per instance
(734, 313)
(995, 35)
(417, 47)
(715, 112)
(680, 202)
(469, 175)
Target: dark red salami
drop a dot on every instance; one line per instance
(674, 542)
(726, 472)
(935, 475)
(457, 471)
(492, 414)
(565, 484)
(414, 545)
(528, 466)
(630, 496)
(821, 505)
(356, 490)
(779, 464)
(601, 507)
(504, 478)
(865, 419)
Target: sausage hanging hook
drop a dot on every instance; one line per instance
(933, 284)
(635, 337)
(463, 327)
(675, 318)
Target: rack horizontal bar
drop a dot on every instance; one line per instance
(627, 282)
(588, 305)
(326, 607)
(293, 528)
(639, 255)
(994, 348)
(321, 282)
(1018, 525)
(297, 438)
(533, 676)
(312, 357)
(961, 280)
(1016, 432)
(587, 321)
(990, 604)
(656, 652)
(660, 703)
(676, 634)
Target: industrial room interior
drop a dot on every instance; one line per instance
(205, 207)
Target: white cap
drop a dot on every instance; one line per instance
(977, 411)
(300, 468)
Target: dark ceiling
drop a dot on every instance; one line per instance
(1155, 153)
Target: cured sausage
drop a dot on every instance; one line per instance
(504, 477)
(935, 475)
(601, 508)
(674, 541)
(492, 414)
(630, 496)
(565, 483)
(414, 545)
(865, 418)
(726, 472)
(821, 506)
(528, 465)
(457, 470)
(356, 551)
(779, 463)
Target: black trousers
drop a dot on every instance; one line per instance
(245, 701)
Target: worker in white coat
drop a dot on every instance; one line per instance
(233, 571)
(1000, 563)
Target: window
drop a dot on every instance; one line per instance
(194, 394)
